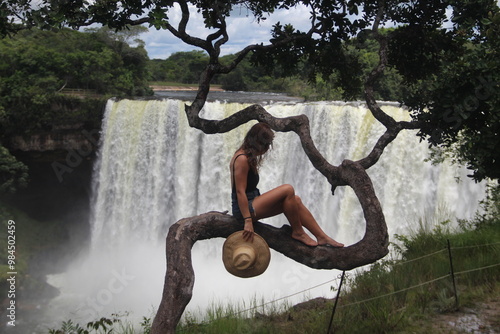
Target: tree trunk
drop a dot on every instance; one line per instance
(179, 279)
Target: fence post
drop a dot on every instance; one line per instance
(452, 275)
(336, 301)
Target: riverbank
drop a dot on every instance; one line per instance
(378, 300)
(178, 87)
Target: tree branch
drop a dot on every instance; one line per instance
(179, 279)
(181, 33)
(298, 124)
(393, 127)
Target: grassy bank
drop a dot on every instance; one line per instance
(393, 296)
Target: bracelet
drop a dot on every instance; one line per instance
(247, 218)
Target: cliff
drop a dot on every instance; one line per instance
(60, 165)
(64, 137)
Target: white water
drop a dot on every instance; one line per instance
(154, 169)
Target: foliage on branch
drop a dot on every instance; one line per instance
(13, 173)
(457, 95)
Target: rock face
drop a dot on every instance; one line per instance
(71, 137)
(60, 176)
(58, 196)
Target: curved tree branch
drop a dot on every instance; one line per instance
(181, 33)
(392, 126)
(298, 124)
(179, 279)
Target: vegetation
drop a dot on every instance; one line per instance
(454, 87)
(181, 67)
(50, 78)
(449, 77)
(13, 173)
(39, 67)
(392, 296)
(32, 237)
(185, 68)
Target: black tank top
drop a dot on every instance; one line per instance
(252, 178)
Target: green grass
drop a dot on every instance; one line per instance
(393, 296)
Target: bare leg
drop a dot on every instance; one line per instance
(312, 225)
(282, 200)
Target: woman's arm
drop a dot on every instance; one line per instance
(241, 169)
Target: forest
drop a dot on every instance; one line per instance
(42, 68)
(48, 78)
(184, 67)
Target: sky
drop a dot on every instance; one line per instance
(242, 29)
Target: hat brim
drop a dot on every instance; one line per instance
(262, 254)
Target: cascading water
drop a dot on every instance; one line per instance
(153, 169)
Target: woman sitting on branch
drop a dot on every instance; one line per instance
(249, 205)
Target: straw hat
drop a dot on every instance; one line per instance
(245, 259)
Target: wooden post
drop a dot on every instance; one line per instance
(336, 301)
(452, 275)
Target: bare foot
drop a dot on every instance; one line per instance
(304, 238)
(329, 242)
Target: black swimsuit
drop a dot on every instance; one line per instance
(252, 178)
(252, 191)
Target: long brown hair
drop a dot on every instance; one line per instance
(257, 141)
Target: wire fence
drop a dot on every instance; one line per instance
(394, 263)
(81, 93)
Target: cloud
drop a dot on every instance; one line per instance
(242, 27)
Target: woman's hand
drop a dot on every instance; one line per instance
(248, 230)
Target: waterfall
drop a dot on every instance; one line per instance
(153, 169)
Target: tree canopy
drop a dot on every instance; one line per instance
(37, 66)
(445, 52)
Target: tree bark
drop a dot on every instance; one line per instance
(179, 279)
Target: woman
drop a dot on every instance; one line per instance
(250, 206)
